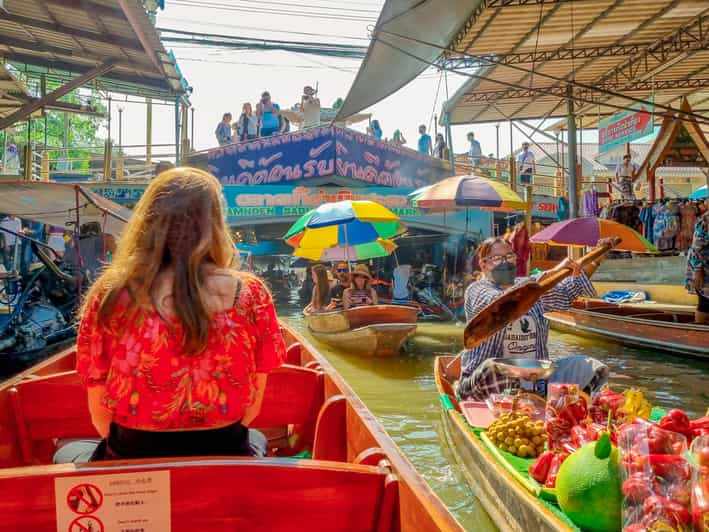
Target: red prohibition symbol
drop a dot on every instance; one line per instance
(84, 499)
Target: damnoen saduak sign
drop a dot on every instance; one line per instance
(625, 127)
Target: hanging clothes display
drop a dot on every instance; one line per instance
(562, 211)
(522, 248)
(666, 225)
(647, 217)
(590, 203)
(687, 221)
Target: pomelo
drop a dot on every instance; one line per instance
(588, 487)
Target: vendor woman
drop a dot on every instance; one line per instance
(527, 336)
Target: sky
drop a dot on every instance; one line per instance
(224, 79)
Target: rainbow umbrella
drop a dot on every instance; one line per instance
(381, 247)
(344, 223)
(467, 191)
(588, 230)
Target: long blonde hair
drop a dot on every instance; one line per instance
(321, 287)
(178, 223)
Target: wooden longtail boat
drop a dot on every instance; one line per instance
(357, 478)
(508, 496)
(635, 325)
(372, 330)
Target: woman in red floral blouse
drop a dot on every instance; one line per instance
(174, 346)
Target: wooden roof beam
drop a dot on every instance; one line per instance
(92, 8)
(139, 31)
(105, 38)
(53, 96)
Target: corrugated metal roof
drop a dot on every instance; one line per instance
(66, 37)
(528, 50)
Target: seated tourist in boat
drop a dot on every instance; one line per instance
(527, 336)
(174, 345)
(361, 292)
(320, 299)
(342, 276)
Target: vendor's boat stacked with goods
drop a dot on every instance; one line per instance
(601, 464)
(331, 466)
(642, 325)
(372, 330)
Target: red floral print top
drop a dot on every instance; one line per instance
(151, 386)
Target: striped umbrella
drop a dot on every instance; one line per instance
(467, 191)
(588, 230)
(382, 247)
(344, 223)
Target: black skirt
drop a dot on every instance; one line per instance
(232, 440)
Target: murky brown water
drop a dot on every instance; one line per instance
(401, 393)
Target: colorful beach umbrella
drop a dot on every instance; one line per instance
(382, 247)
(700, 193)
(467, 191)
(588, 230)
(344, 223)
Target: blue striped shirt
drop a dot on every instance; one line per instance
(481, 293)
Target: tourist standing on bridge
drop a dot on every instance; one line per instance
(247, 126)
(624, 177)
(398, 138)
(698, 268)
(425, 142)
(375, 130)
(268, 114)
(440, 150)
(526, 165)
(174, 345)
(475, 150)
(310, 107)
(223, 131)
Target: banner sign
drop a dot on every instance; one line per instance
(267, 203)
(545, 207)
(625, 127)
(323, 152)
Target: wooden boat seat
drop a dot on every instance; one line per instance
(263, 494)
(54, 407)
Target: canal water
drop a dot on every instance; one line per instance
(401, 392)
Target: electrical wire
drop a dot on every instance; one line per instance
(306, 14)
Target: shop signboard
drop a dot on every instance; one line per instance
(625, 127)
(323, 152)
(545, 207)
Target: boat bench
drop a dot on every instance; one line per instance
(221, 495)
(54, 407)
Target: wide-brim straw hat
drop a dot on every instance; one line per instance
(362, 271)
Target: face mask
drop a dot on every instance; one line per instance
(504, 274)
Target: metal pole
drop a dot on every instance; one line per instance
(120, 129)
(177, 131)
(497, 141)
(149, 133)
(573, 185)
(512, 147)
(449, 134)
(192, 131)
(110, 100)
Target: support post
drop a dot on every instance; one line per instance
(449, 134)
(177, 131)
(107, 161)
(513, 173)
(497, 141)
(149, 133)
(44, 166)
(120, 129)
(530, 205)
(28, 162)
(192, 129)
(651, 184)
(573, 182)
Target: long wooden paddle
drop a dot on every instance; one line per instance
(515, 303)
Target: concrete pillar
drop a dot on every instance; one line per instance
(148, 133)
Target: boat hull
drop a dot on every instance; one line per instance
(357, 479)
(510, 505)
(631, 326)
(372, 331)
(382, 340)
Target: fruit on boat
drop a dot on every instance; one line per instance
(518, 434)
(588, 486)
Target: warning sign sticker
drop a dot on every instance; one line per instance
(113, 503)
